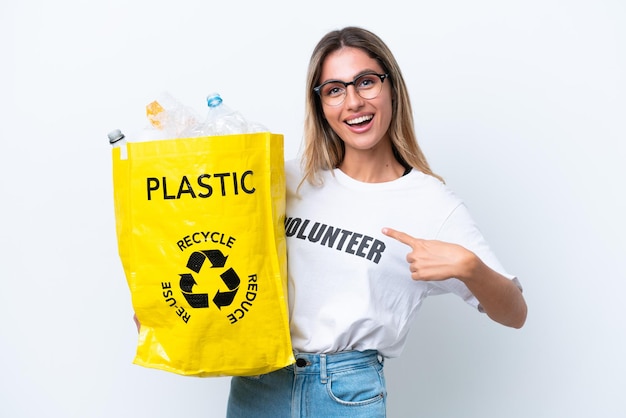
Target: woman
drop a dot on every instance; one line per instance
(360, 199)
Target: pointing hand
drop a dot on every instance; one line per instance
(431, 259)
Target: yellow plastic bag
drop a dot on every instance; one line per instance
(200, 229)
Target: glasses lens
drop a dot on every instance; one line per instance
(368, 86)
(333, 93)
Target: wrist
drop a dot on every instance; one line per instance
(470, 266)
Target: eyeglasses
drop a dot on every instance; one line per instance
(368, 86)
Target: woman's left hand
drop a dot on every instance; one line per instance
(433, 260)
(499, 297)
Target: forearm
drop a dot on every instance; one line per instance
(499, 297)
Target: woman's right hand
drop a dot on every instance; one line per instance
(136, 322)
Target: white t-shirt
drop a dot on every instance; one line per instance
(350, 287)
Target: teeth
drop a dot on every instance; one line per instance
(359, 120)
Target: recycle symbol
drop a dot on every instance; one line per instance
(229, 278)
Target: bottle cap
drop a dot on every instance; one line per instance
(115, 136)
(213, 100)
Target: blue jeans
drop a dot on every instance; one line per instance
(345, 384)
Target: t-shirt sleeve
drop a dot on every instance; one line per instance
(460, 228)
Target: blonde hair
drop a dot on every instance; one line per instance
(323, 149)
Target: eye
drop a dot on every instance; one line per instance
(367, 81)
(333, 89)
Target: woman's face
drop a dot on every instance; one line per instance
(361, 123)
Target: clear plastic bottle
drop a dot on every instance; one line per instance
(168, 119)
(220, 119)
(118, 139)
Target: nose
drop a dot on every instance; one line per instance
(353, 99)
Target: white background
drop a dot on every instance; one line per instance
(520, 105)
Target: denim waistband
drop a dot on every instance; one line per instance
(322, 364)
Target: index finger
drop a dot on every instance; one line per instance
(399, 235)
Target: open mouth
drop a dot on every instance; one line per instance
(361, 120)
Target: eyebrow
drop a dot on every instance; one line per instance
(359, 74)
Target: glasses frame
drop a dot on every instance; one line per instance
(382, 77)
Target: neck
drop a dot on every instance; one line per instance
(372, 170)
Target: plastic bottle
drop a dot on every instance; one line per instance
(220, 119)
(168, 119)
(118, 139)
